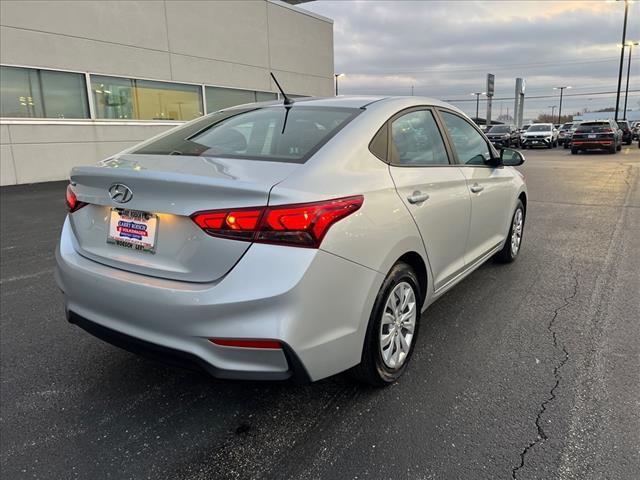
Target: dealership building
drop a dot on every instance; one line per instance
(80, 81)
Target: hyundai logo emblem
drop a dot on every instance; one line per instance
(120, 193)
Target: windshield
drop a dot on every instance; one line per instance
(623, 125)
(255, 134)
(539, 128)
(525, 127)
(499, 129)
(566, 126)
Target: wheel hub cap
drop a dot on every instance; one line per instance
(516, 232)
(397, 326)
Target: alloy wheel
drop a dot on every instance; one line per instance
(398, 325)
(516, 232)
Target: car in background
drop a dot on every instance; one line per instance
(540, 135)
(635, 130)
(521, 131)
(627, 136)
(597, 135)
(565, 132)
(503, 136)
(288, 241)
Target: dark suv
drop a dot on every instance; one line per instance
(597, 135)
(627, 135)
(503, 136)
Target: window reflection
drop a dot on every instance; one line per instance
(125, 99)
(219, 97)
(34, 93)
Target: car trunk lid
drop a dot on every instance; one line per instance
(171, 188)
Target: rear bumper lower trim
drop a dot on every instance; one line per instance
(166, 355)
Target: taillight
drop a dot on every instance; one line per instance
(301, 225)
(266, 344)
(73, 203)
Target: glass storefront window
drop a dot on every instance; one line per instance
(125, 99)
(219, 97)
(33, 93)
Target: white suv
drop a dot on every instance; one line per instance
(540, 135)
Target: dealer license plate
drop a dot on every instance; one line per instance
(133, 229)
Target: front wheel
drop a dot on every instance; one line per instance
(393, 328)
(513, 242)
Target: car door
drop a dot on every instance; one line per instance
(433, 189)
(490, 187)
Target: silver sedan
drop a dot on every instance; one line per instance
(274, 241)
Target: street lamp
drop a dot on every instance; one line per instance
(626, 92)
(624, 38)
(337, 75)
(561, 92)
(477, 94)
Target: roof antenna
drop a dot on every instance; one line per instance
(287, 101)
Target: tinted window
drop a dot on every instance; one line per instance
(28, 92)
(126, 98)
(623, 125)
(416, 140)
(591, 127)
(500, 129)
(470, 145)
(255, 134)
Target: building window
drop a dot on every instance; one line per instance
(219, 98)
(125, 98)
(33, 93)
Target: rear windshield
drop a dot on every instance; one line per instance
(623, 125)
(591, 127)
(539, 128)
(255, 134)
(566, 126)
(499, 129)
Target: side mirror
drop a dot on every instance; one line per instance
(511, 158)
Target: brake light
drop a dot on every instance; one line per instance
(73, 203)
(301, 225)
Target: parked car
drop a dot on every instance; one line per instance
(540, 135)
(288, 241)
(627, 136)
(521, 131)
(635, 130)
(564, 133)
(597, 135)
(503, 136)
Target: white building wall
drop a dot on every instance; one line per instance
(224, 43)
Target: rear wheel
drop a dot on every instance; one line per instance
(514, 239)
(393, 327)
(574, 150)
(619, 147)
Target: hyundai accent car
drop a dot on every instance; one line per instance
(297, 241)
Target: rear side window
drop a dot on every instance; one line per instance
(416, 141)
(270, 134)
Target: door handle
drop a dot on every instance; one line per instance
(475, 188)
(417, 197)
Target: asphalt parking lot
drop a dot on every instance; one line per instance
(530, 370)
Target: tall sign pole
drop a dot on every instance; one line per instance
(518, 106)
(624, 40)
(491, 80)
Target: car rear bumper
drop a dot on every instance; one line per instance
(592, 144)
(313, 302)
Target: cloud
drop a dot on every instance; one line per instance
(445, 49)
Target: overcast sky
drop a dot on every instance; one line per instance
(444, 49)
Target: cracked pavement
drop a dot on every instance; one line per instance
(526, 371)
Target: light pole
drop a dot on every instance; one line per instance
(477, 94)
(624, 38)
(337, 75)
(560, 107)
(626, 92)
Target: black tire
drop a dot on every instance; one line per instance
(550, 145)
(566, 145)
(613, 149)
(372, 369)
(619, 147)
(507, 255)
(574, 151)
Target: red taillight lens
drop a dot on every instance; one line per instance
(73, 203)
(302, 225)
(227, 342)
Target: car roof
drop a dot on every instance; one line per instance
(363, 101)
